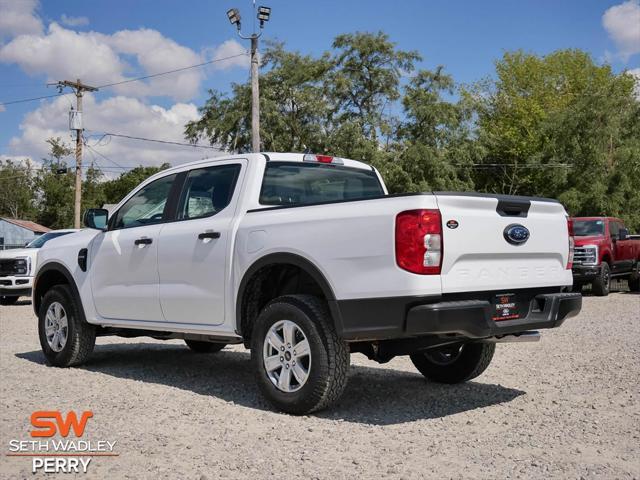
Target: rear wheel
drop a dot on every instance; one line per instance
(8, 300)
(634, 279)
(204, 347)
(301, 364)
(454, 363)
(602, 283)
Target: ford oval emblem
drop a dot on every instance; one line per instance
(516, 234)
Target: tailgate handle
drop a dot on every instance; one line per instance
(513, 208)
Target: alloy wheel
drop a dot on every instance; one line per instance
(56, 327)
(286, 356)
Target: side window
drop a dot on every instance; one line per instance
(207, 191)
(614, 229)
(147, 206)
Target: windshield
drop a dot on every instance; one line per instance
(588, 228)
(42, 239)
(288, 183)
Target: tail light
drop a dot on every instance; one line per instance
(419, 246)
(572, 243)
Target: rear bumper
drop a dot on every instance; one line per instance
(16, 286)
(582, 273)
(472, 318)
(464, 315)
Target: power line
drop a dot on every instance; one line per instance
(104, 156)
(172, 71)
(168, 142)
(24, 100)
(113, 84)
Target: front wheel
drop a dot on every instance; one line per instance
(301, 364)
(65, 336)
(454, 363)
(8, 300)
(602, 284)
(634, 279)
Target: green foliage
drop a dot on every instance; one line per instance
(568, 128)
(115, 190)
(16, 189)
(46, 195)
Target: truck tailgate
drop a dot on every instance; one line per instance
(479, 256)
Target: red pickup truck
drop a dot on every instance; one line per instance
(604, 249)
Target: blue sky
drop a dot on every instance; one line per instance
(114, 40)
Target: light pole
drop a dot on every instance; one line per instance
(263, 15)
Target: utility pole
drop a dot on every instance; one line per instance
(263, 15)
(255, 96)
(75, 123)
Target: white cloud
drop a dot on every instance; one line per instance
(119, 114)
(229, 48)
(2, 108)
(97, 59)
(622, 22)
(18, 17)
(156, 53)
(70, 21)
(62, 53)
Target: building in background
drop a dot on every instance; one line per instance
(17, 233)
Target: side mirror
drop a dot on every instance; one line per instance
(623, 234)
(96, 218)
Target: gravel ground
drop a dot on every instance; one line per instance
(566, 407)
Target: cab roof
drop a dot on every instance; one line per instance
(276, 156)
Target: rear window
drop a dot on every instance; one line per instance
(288, 183)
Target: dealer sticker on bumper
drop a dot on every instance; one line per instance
(505, 307)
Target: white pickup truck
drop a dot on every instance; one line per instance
(17, 267)
(304, 259)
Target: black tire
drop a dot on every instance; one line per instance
(329, 355)
(204, 347)
(634, 279)
(602, 283)
(81, 336)
(8, 300)
(455, 363)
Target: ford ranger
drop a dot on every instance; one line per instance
(604, 249)
(18, 265)
(305, 259)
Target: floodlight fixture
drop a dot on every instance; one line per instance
(234, 17)
(263, 15)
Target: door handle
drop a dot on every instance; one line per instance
(143, 241)
(204, 235)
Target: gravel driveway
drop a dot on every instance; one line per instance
(566, 407)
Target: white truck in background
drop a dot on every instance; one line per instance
(305, 259)
(17, 267)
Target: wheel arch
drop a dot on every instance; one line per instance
(277, 262)
(50, 275)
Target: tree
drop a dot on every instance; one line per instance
(17, 181)
(55, 189)
(436, 151)
(561, 126)
(115, 190)
(366, 80)
(325, 104)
